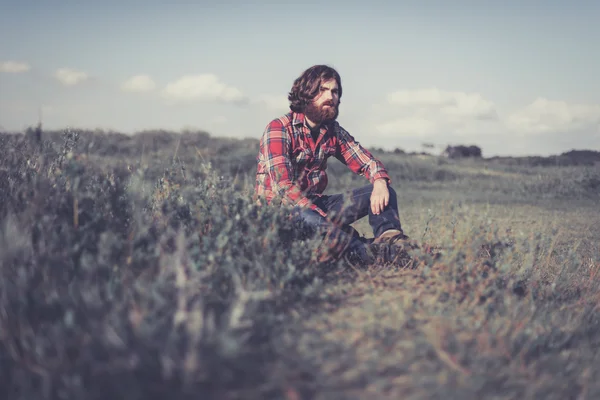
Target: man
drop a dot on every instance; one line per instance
(292, 163)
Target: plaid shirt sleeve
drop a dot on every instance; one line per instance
(275, 153)
(359, 159)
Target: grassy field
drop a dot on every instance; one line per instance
(139, 268)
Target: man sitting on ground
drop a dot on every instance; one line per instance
(292, 163)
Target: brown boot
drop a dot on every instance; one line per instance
(393, 246)
(396, 237)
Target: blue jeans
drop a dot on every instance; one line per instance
(342, 210)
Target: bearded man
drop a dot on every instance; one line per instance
(292, 163)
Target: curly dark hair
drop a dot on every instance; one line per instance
(307, 85)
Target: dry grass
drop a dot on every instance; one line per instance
(510, 308)
(454, 332)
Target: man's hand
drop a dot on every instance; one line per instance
(380, 196)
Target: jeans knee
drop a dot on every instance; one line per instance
(310, 217)
(307, 221)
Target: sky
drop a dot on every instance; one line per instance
(512, 77)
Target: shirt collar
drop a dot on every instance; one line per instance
(298, 119)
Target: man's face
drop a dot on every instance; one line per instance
(325, 105)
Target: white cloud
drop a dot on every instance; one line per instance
(551, 116)
(273, 101)
(431, 112)
(420, 97)
(410, 117)
(453, 104)
(70, 77)
(204, 87)
(434, 111)
(138, 83)
(219, 119)
(408, 126)
(14, 67)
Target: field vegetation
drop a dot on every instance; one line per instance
(138, 267)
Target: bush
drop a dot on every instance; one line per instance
(113, 291)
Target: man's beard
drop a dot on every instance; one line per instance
(320, 114)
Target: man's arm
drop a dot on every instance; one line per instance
(359, 159)
(275, 149)
(363, 163)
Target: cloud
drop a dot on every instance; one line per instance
(551, 116)
(420, 97)
(219, 119)
(70, 77)
(202, 87)
(14, 67)
(432, 111)
(453, 104)
(409, 126)
(139, 83)
(408, 118)
(273, 101)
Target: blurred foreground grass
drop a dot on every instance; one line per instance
(139, 268)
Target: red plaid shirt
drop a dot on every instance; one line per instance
(291, 166)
